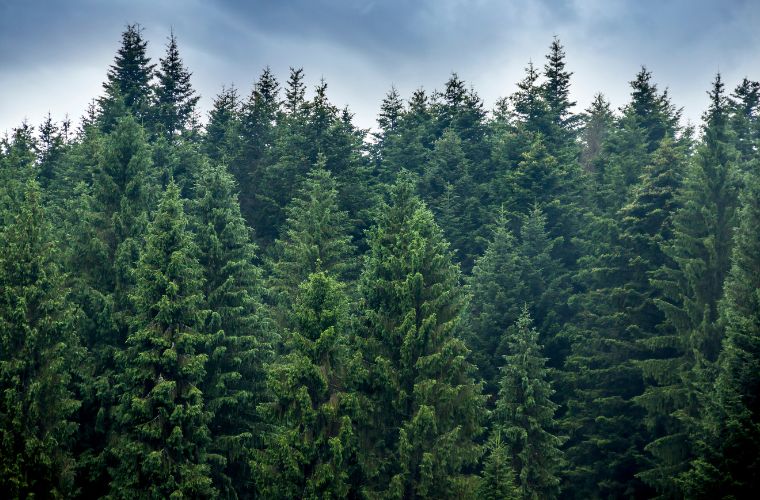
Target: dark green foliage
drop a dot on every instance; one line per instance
(498, 482)
(315, 237)
(727, 462)
(240, 337)
(525, 414)
(38, 355)
(427, 410)
(159, 449)
(175, 99)
(310, 443)
(127, 88)
(258, 118)
(498, 295)
(691, 287)
(200, 375)
(222, 140)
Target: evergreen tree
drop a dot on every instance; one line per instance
(38, 356)
(498, 482)
(315, 237)
(51, 151)
(497, 297)
(240, 340)
(127, 87)
(427, 411)
(745, 118)
(222, 140)
(18, 166)
(525, 414)
(598, 122)
(729, 435)
(105, 225)
(174, 95)
(309, 448)
(691, 287)
(258, 120)
(160, 446)
(449, 187)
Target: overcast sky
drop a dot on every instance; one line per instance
(54, 55)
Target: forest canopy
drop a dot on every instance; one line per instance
(530, 301)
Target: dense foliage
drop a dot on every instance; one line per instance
(527, 302)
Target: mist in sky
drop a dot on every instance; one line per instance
(54, 55)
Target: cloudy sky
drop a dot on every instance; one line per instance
(54, 55)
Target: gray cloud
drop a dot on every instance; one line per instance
(54, 55)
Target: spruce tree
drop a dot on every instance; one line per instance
(316, 237)
(159, 449)
(39, 353)
(222, 139)
(128, 84)
(258, 120)
(525, 414)
(685, 352)
(310, 443)
(174, 94)
(498, 481)
(728, 433)
(105, 225)
(427, 409)
(497, 297)
(240, 338)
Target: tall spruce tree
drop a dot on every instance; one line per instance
(728, 436)
(618, 317)
(128, 84)
(427, 411)
(39, 352)
(316, 237)
(258, 120)
(525, 414)
(240, 338)
(691, 287)
(159, 449)
(175, 98)
(497, 297)
(310, 445)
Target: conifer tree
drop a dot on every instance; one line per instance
(691, 287)
(448, 185)
(597, 125)
(408, 145)
(525, 414)
(420, 443)
(728, 435)
(241, 339)
(39, 352)
(258, 119)
(309, 447)
(222, 140)
(174, 94)
(618, 318)
(498, 482)
(127, 87)
(105, 224)
(316, 237)
(18, 166)
(745, 118)
(497, 298)
(561, 134)
(162, 433)
(51, 150)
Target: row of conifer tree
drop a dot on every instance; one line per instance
(527, 302)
